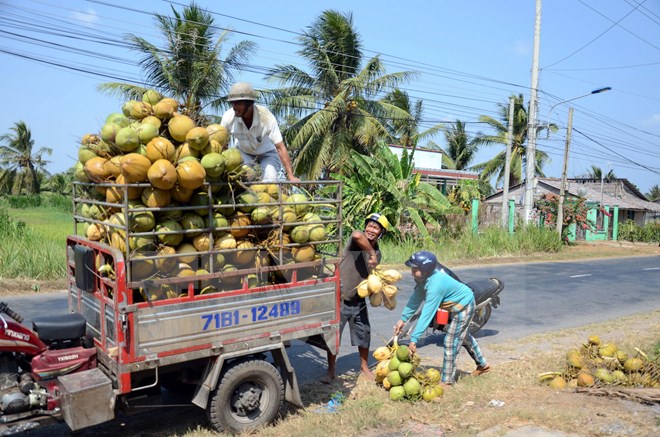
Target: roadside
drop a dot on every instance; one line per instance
(581, 250)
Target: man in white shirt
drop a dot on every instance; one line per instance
(255, 133)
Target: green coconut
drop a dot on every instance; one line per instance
(170, 226)
(403, 353)
(633, 364)
(317, 232)
(127, 139)
(394, 363)
(141, 221)
(394, 378)
(218, 221)
(191, 221)
(432, 375)
(109, 132)
(142, 244)
(147, 132)
(397, 393)
(79, 172)
(603, 375)
(118, 118)
(187, 253)
(297, 201)
(406, 370)
(300, 234)
(246, 201)
(152, 120)
(85, 154)
(233, 159)
(214, 164)
(261, 215)
(412, 387)
(151, 97)
(558, 383)
(197, 138)
(202, 200)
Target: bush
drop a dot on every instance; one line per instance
(631, 231)
(42, 200)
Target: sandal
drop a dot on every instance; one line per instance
(481, 370)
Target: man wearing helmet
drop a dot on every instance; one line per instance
(440, 290)
(256, 133)
(361, 255)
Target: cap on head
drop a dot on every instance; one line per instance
(424, 261)
(380, 219)
(241, 91)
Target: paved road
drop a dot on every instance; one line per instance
(537, 298)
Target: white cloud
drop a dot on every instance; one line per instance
(522, 47)
(87, 17)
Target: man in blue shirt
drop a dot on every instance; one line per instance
(440, 290)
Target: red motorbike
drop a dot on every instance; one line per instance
(31, 360)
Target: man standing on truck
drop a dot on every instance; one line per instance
(361, 256)
(256, 133)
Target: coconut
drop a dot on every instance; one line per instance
(382, 353)
(95, 232)
(633, 364)
(618, 376)
(162, 174)
(297, 201)
(381, 368)
(609, 350)
(109, 132)
(394, 378)
(151, 97)
(261, 215)
(362, 289)
(374, 283)
(405, 370)
(225, 242)
(603, 375)
(300, 234)
(155, 197)
(585, 380)
(79, 172)
(389, 303)
(188, 253)
(233, 159)
(202, 242)
(203, 201)
(403, 353)
(113, 166)
(557, 383)
(181, 194)
(142, 244)
(594, 340)
(218, 133)
(169, 226)
(183, 151)
(213, 147)
(147, 132)
(303, 253)
(246, 201)
(192, 222)
(141, 221)
(376, 300)
(136, 109)
(127, 139)
(118, 118)
(152, 120)
(160, 148)
(428, 393)
(286, 215)
(214, 164)
(390, 290)
(96, 170)
(118, 241)
(432, 375)
(574, 360)
(85, 154)
(165, 265)
(218, 221)
(135, 167)
(412, 387)
(141, 267)
(245, 255)
(239, 223)
(317, 232)
(165, 108)
(191, 174)
(179, 126)
(197, 138)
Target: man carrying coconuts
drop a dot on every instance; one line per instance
(256, 133)
(361, 256)
(440, 290)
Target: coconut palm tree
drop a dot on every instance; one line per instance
(60, 183)
(189, 68)
(597, 173)
(406, 131)
(19, 162)
(496, 165)
(339, 100)
(461, 148)
(654, 193)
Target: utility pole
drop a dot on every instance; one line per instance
(507, 166)
(531, 129)
(562, 185)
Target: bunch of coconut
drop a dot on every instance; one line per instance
(379, 287)
(400, 373)
(177, 202)
(597, 364)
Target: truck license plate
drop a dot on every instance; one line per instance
(255, 314)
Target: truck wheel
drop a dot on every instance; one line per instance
(480, 318)
(249, 396)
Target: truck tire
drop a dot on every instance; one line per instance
(249, 396)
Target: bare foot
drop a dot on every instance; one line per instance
(327, 379)
(368, 374)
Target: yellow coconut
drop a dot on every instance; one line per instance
(303, 253)
(202, 242)
(95, 232)
(115, 194)
(183, 151)
(363, 289)
(376, 300)
(152, 120)
(113, 166)
(225, 242)
(134, 167)
(374, 284)
(96, 169)
(160, 148)
(390, 290)
(317, 232)
(585, 380)
(218, 133)
(382, 353)
(167, 263)
(187, 253)
(165, 108)
(179, 126)
(191, 174)
(181, 194)
(390, 275)
(197, 138)
(155, 197)
(162, 174)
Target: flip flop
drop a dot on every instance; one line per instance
(481, 370)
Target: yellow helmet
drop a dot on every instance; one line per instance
(380, 219)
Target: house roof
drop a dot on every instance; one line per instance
(617, 192)
(432, 163)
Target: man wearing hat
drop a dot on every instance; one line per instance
(256, 133)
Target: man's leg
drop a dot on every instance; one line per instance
(364, 362)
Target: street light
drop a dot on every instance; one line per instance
(562, 184)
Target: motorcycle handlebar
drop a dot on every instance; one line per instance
(11, 313)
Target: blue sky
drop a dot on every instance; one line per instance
(470, 55)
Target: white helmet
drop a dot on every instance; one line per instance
(241, 91)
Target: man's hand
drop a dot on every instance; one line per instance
(398, 327)
(412, 347)
(372, 262)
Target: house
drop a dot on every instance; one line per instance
(428, 162)
(617, 196)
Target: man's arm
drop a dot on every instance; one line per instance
(286, 161)
(363, 243)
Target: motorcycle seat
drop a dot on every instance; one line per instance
(485, 288)
(60, 327)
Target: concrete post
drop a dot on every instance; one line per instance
(512, 215)
(475, 215)
(615, 224)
